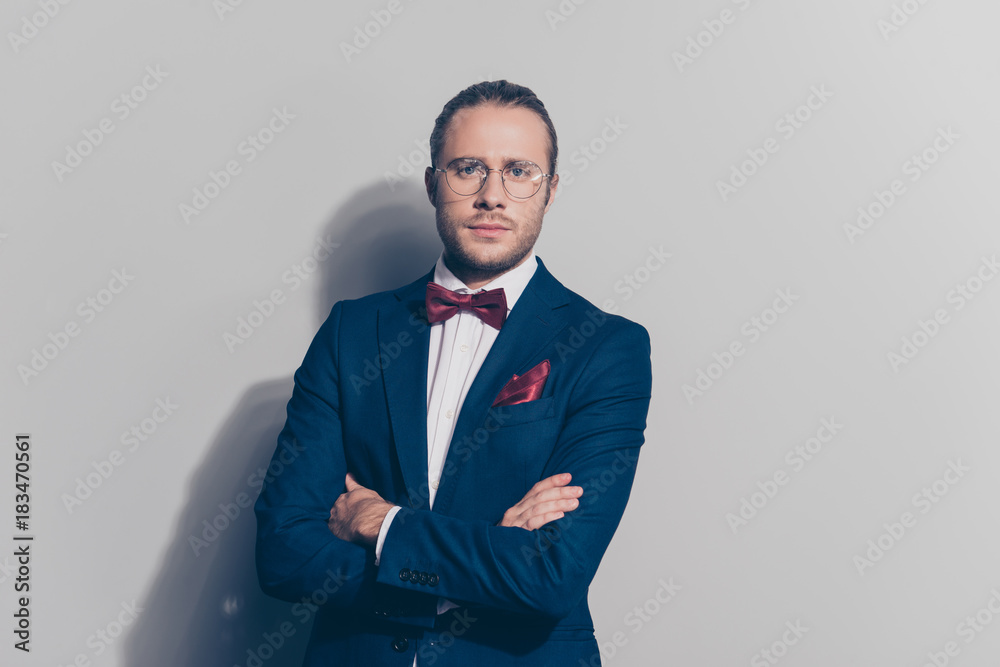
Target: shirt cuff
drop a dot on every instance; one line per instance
(444, 605)
(383, 530)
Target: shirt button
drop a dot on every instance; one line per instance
(464, 348)
(449, 414)
(435, 484)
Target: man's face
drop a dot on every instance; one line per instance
(490, 232)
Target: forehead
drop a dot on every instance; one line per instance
(496, 133)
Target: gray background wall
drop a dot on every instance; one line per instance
(845, 546)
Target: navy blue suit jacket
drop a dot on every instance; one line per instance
(359, 405)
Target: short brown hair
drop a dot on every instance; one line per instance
(498, 93)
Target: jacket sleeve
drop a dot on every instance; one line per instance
(298, 558)
(545, 571)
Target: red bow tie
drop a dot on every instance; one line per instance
(490, 306)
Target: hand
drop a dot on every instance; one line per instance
(546, 501)
(358, 513)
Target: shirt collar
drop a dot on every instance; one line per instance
(513, 282)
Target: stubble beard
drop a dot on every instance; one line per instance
(479, 267)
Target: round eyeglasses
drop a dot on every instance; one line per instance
(466, 176)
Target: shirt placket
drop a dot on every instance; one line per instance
(459, 363)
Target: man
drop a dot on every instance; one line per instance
(424, 500)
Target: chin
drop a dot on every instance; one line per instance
(485, 259)
(487, 249)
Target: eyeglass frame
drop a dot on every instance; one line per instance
(503, 182)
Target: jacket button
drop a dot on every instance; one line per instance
(400, 644)
(404, 574)
(423, 579)
(433, 579)
(414, 576)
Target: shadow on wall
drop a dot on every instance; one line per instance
(205, 608)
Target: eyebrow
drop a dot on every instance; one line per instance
(504, 159)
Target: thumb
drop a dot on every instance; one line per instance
(351, 482)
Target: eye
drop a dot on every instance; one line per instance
(522, 171)
(467, 169)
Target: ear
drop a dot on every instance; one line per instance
(430, 184)
(553, 185)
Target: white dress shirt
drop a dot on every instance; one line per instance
(458, 347)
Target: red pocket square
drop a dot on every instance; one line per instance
(524, 388)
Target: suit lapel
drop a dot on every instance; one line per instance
(406, 382)
(533, 322)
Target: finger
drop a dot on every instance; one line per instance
(351, 482)
(550, 488)
(562, 479)
(537, 522)
(558, 493)
(514, 516)
(527, 505)
(564, 505)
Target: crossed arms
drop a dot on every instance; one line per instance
(510, 562)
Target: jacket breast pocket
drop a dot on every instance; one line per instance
(521, 413)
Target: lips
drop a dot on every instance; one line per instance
(487, 221)
(489, 228)
(489, 231)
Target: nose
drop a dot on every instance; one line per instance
(492, 195)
